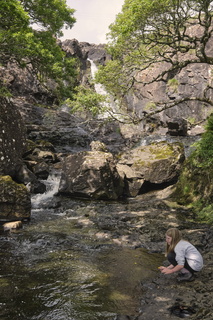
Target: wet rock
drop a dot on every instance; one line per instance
(177, 127)
(182, 311)
(14, 200)
(37, 187)
(29, 179)
(133, 182)
(155, 165)
(98, 146)
(47, 156)
(125, 317)
(66, 139)
(24, 175)
(41, 170)
(12, 225)
(91, 174)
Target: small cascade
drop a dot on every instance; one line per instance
(99, 88)
(52, 186)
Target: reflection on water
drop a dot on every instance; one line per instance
(57, 268)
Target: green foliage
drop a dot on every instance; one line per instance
(209, 125)
(191, 120)
(4, 92)
(150, 106)
(51, 15)
(28, 31)
(202, 157)
(113, 77)
(173, 84)
(148, 33)
(86, 99)
(195, 185)
(203, 213)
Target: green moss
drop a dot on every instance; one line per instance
(205, 214)
(140, 163)
(30, 145)
(3, 283)
(191, 120)
(172, 84)
(162, 151)
(150, 106)
(5, 179)
(8, 183)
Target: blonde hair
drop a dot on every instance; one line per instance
(176, 236)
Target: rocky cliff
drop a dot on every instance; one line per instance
(189, 82)
(32, 109)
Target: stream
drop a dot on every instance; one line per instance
(64, 265)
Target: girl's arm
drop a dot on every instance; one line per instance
(169, 267)
(173, 270)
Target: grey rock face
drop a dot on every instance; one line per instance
(91, 174)
(156, 164)
(12, 137)
(177, 127)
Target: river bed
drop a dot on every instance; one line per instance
(62, 265)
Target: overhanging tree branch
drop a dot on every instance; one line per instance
(169, 33)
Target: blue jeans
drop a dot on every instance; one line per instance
(171, 258)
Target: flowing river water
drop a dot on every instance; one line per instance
(61, 265)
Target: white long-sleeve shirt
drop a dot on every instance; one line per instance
(184, 249)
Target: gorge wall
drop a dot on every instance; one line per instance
(189, 82)
(32, 113)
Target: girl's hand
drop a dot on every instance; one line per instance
(161, 268)
(166, 271)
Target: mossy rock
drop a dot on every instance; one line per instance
(15, 202)
(157, 163)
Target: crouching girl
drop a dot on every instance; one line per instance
(182, 255)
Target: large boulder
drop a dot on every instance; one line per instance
(15, 202)
(91, 174)
(151, 166)
(12, 137)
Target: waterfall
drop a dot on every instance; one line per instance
(99, 88)
(52, 186)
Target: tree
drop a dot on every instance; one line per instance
(28, 37)
(195, 185)
(168, 36)
(152, 33)
(86, 100)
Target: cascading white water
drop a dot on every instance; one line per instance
(52, 185)
(110, 105)
(98, 87)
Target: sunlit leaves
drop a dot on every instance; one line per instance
(28, 31)
(51, 15)
(12, 15)
(86, 99)
(113, 70)
(148, 33)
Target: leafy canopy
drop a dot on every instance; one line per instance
(148, 33)
(86, 99)
(194, 187)
(28, 31)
